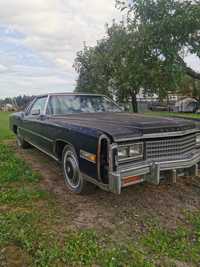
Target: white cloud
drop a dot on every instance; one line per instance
(55, 30)
(34, 80)
(3, 68)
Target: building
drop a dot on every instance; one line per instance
(187, 104)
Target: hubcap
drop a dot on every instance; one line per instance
(71, 170)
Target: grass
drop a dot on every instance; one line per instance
(183, 244)
(173, 114)
(5, 133)
(34, 233)
(27, 223)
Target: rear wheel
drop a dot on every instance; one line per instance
(21, 143)
(72, 175)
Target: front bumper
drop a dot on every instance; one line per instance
(151, 171)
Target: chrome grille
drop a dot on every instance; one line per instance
(170, 148)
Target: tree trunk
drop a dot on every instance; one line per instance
(134, 103)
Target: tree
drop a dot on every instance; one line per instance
(120, 65)
(147, 51)
(19, 101)
(93, 67)
(190, 87)
(171, 27)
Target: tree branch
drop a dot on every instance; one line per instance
(190, 72)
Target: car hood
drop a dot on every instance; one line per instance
(125, 125)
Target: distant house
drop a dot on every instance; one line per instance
(146, 100)
(172, 102)
(187, 104)
(142, 97)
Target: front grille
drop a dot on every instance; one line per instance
(170, 148)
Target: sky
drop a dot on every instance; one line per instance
(39, 40)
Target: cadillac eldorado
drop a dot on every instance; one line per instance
(98, 143)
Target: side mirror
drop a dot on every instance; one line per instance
(35, 112)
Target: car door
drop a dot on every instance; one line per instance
(35, 125)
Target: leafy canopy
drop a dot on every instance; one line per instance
(146, 51)
(171, 27)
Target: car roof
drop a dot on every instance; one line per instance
(67, 93)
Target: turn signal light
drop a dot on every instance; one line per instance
(91, 158)
(88, 156)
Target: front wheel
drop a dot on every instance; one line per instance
(21, 143)
(72, 175)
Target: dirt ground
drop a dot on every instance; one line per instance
(121, 216)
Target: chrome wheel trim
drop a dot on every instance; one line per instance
(71, 170)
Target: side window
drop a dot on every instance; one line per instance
(38, 106)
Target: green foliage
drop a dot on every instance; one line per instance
(120, 65)
(170, 29)
(13, 169)
(21, 196)
(81, 248)
(93, 66)
(19, 228)
(18, 101)
(147, 51)
(190, 87)
(5, 133)
(129, 256)
(182, 244)
(173, 114)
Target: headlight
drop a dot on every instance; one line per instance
(198, 140)
(136, 150)
(133, 151)
(123, 152)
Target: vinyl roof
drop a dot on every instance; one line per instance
(67, 93)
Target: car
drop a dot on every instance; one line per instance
(98, 143)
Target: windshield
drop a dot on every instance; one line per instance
(70, 104)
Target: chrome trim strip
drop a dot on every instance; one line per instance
(111, 163)
(103, 136)
(142, 166)
(46, 105)
(44, 151)
(37, 134)
(157, 135)
(180, 163)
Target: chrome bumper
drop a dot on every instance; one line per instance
(150, 171)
